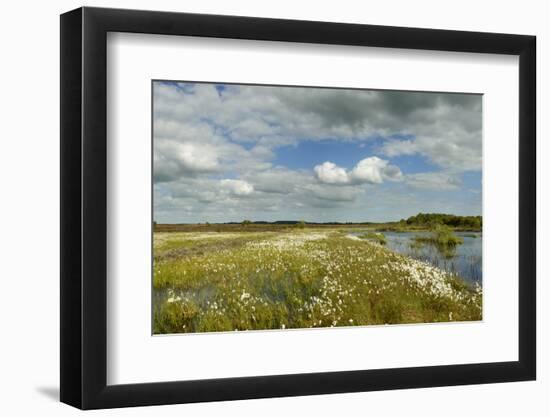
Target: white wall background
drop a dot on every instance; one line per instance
(29, 238)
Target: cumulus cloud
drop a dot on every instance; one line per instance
(330, 173)
(196, 158)
(237, 187)
(372, 170)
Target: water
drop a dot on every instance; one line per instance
(466, 261)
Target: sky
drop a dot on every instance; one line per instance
(229, 152)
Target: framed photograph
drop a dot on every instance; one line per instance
(257, 207)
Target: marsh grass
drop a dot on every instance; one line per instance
(296, 279)
(443, 238)
(374, 237)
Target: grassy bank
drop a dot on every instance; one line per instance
(296, 279)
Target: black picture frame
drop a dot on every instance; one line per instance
(84, 207)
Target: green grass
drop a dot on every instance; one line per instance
(374, 237)
(296, 279)
(443, 238)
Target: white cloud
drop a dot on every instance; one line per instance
(330, 173)
(278, 180)
(436, 181)
(196, 157)
(447, 134)
(372, 170)
(396, 147)
(237, 187)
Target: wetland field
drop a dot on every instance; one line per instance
(315, 277)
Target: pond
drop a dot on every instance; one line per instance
(465, 260)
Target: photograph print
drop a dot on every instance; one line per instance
(294, 207)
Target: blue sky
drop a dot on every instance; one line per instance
(308, 153)
(228, 152)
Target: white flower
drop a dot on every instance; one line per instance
(173, 299)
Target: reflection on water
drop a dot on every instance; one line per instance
(464, 261)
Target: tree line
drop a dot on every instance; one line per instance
(425, 219)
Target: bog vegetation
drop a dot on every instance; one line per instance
(442, 237)
(374, 237)
(298, 276)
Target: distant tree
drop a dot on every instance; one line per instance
(246, 222)
(434, 219)
(301, 224)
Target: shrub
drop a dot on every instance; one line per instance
(301, 224)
